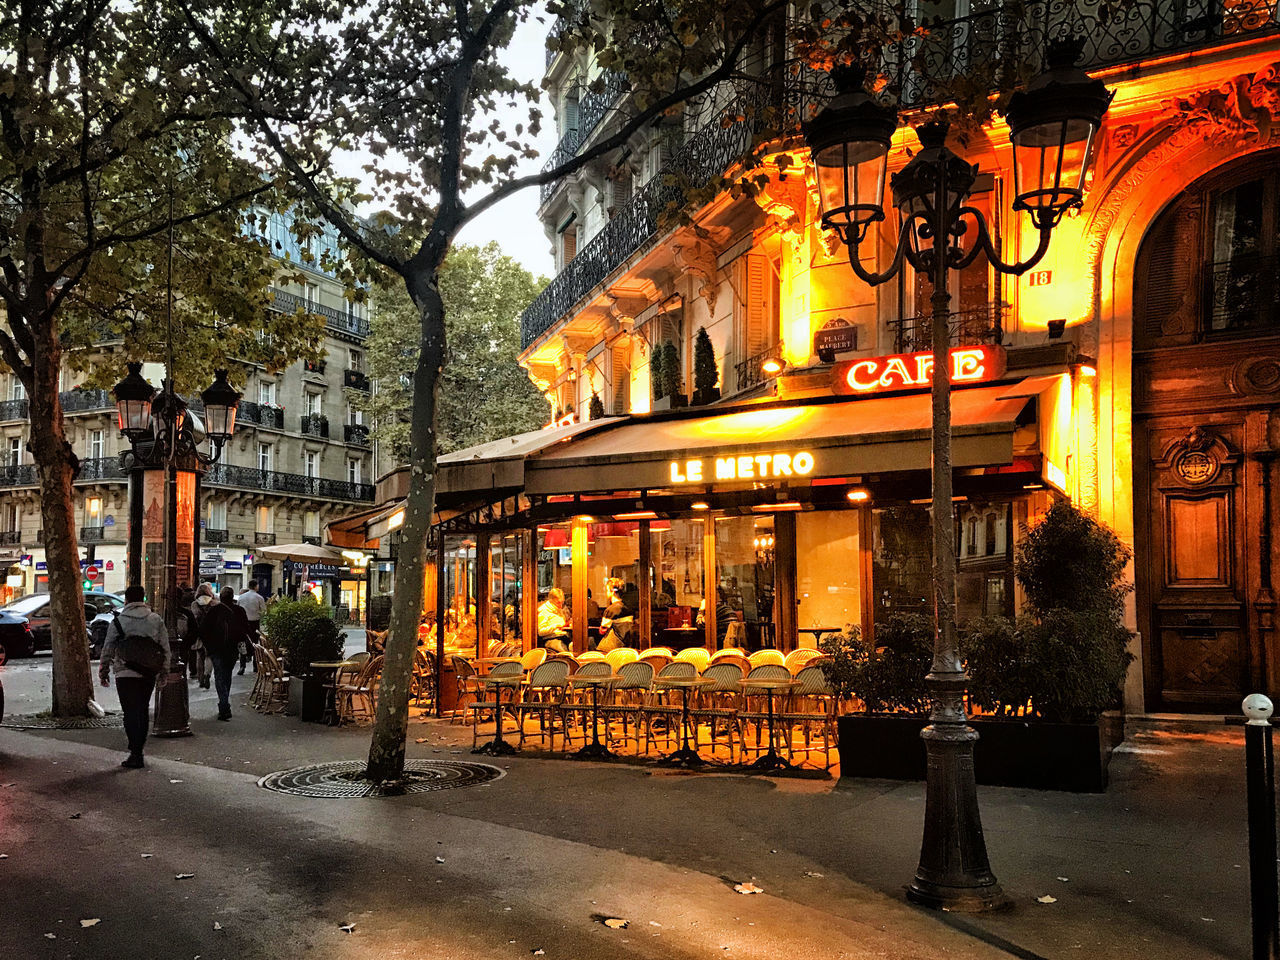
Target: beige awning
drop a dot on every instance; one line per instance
(499, 465)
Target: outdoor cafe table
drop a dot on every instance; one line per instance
(326, 671)
(771, 760)
(595, 750)
(685, 756)
(499, 747)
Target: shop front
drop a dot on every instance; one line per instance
(759, 526)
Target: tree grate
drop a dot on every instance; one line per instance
(38, 721)
(341, 780)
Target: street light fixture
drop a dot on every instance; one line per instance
(133, 404)
(1052, 123)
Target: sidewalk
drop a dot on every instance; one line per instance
(1154, 868)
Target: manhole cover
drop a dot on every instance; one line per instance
(38, 721)
(341, 780)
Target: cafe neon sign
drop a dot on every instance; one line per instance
(910, 371)
(764, 466)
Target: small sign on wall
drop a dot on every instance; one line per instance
(1040, 278)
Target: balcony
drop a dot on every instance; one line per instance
(308, 538)
(355, 380)
(101, 468)
(314, 425)
(91, 534)
(356, 434)
(212, 535)
(14, 409)
(86, 401)
(272, 481)
(1243, 295)
(260, 415)
(336, 320)
(592, 108)
(313, 366)
(264, 539)
(983, 324)
(10, 538)
(18, 475)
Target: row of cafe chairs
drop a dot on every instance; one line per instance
(548, 695)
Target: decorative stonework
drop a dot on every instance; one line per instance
(1257, 375)
(1237, 110)
(696, 250)
(785, 199)
(1197, 457)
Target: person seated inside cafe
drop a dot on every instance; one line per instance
(724, 614)
(617, 619)
(553, 622)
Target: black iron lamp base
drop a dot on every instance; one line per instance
(684, 757)
(593, 751)
(769, 763)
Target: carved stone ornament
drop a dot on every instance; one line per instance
(1197, 457)
(1258, 375)
(1235, 110)
(696, 250)
(785, 199)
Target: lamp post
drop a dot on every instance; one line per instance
(164, 438)
(1052, 126)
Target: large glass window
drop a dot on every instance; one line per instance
(902, 560)
(675, 552)
(506, 562)
(745, 582)
(613, 583)
(828, 573)
(984, 560)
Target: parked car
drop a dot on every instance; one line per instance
(35, 608)
(16, 639)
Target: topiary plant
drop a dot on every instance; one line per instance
(705, 372)
(656, 381)
(671, 379)
(595, 407)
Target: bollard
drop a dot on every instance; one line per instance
(1261, 789)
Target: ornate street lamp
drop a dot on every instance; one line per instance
(1052, 123)
(165, 437)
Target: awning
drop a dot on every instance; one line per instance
(499, 465)
(776, 442)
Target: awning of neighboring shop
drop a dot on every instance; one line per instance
(351, 532)
(499, 466)
(779, 442)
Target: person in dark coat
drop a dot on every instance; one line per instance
(222, 629)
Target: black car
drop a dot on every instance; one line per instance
(35, 608)
(16, 639)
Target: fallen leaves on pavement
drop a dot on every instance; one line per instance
(91, 923)
(748, 887)
(613, 923)
(1046, 899)
(183, 876)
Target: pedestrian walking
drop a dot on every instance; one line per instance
(202, 664)
(136, 650)
(222, 630)
(253, 604)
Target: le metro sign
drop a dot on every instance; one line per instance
(914, 371)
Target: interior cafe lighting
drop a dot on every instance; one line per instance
(858, 496)
(699, 505)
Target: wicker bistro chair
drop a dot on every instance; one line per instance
(364, 690)
(666, 704)
(577, 701)
(478, 707)
(590, 655)
(718, 703)
(810, 704)
(762, 657)
(657, 652)
(260, 682)
(468, 685)
(345, 676)
(629, 696)
(276, 690)
(616, 658)
(732, 656)
(422, 686)
(544, 695)
(533, 659)
(698, 656)
(798, 659)
(754, 703)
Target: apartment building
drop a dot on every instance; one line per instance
(1135, 370)
(301, 455)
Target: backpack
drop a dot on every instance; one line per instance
(140, 653)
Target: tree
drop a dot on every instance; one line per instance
(484, 393)
(111, 136)
(416, 84)
(705, 372)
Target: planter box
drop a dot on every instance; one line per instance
(1009, 753)
(674, 402)
(306, 699)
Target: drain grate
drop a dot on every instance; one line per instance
(341, 780)
(39, 721)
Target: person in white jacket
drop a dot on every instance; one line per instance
(134, 687)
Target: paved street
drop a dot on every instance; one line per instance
(535, 861)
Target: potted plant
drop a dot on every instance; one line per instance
(672, 387)
(706, 375)
(595, 407)
(656, 381)
(304, 633)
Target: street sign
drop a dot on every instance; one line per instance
(92, 573)
(836, 336)
(111, 565)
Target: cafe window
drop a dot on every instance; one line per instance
(984, 573)
(506, 566)
(828, 573)
(676, 574)
(458, 584)
(902, 560)
(555, 557)
(745, 548)
(613, 583)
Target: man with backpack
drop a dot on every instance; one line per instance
(136, 650)
(223, 628)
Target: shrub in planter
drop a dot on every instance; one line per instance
(303, 631)
(671, 385)
(705, 372)
(888, 677)
(595, 408)
(656, 381)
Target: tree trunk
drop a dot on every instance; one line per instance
(57, 466)
(391, 726)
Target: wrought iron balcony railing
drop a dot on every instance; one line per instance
(86, 401)
(260, 415)
(315, 425)
(14, 409)
(355, 380)
(91, 534)
(983, 324)
(356, 434)
(313, 366)
(10, 538)
(17, 475)
(264, 539)
(748, 373)
(272, 481)
(100, 468)
(308, 538)
(215, 536)
(1243, 294)
(334, 319)
(592, 108)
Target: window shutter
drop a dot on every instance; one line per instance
(621, 380)
(758, 308)
(1166, 295)
(569, 243)
(571, 114)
